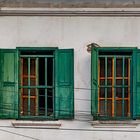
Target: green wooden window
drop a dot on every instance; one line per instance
(37, 83)
(115, 83)
(114, 86)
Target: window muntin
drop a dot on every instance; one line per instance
(37, 84)
(114, 85)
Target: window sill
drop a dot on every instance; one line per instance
(36, 124)
(115, 124)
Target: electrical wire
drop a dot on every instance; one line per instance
(83, 113)
(18, 134)
(77, 112)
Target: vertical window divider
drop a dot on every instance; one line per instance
(37, 97)
(21, 80)
(123, 87)
(53, 88)
(98, 86)
(114, 87)
(106, 86)
(28, 86)
(46, 85)
(129, 87)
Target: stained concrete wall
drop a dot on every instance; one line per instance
(77, 33)
(70, 3)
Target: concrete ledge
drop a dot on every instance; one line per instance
(115, 124)
(71, 12)
(36, 124)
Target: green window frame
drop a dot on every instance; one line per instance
(132, 56)
(12, 82)
(37, 85)
(114, 86)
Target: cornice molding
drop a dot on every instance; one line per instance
(73, 13)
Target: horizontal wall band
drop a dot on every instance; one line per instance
(70, 13)
(71, 3)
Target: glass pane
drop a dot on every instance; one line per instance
(33, 92)
(109, 82)
(119, 82)
(126, 92)
(25, 107)
(109, 107)
(50, 71)
(49, 102)
(24, 91)
(118, 92)
(102, 67)
(32, 66)
(126, 67)
(126, 108)
(102, 107)
(102, 82)
(42, 102)
(126, 82)
(102, 92)
(41, 71)
(32, 106)
(25, 66)
(25, 82)
(33, 82)
(119, 108)
(109, 92)
(109, 67)
(119, 67)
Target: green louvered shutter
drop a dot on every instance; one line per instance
(64, 84)
(8, 83)
(94, 81)
(136, 84)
